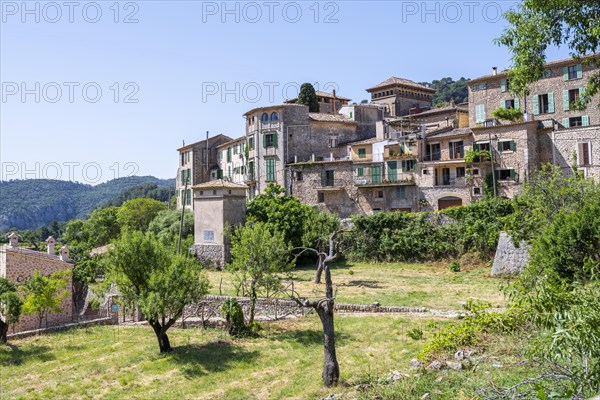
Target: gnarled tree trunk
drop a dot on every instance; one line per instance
(161, 336)
(3, 332)
(324, 308)
(319, 269)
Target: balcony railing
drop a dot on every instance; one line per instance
(450, 180)
(400, 178)
(271, 151)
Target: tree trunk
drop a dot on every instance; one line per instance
(161, 336)
(252, 303)
(331, 368)
(319, 269)
(3, 332)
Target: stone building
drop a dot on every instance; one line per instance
(198, 163)
(231, 157)
(17, 264)
(329, 103)
(218, 205)
(398, 96)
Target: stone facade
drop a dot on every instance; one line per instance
(509, 259)
(398, 96)
(231, 158)
(18, 264)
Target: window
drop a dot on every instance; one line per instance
(360, 171)
(481, 146)
(219, 155)
(270, 164)
(208, 235)
(570, 97)
(479, 86)
(264, 118)
(477, 191)
(475, 171)
(229, 154)
(510, 103)
(583, 154)
(460, 172)
(220, 174)
(432, 152)
(583, 120)
(380, 194)
(400, 192)
(392, 171)
(504, 85)
(572, 72)
(270, 140)
(547, 73)
(506, 174)
(409, 165)
(299, 176)
(456, 150)
(543, 103)
(274, 117)
(251, 143)
(182, 158)
(188, 197)
(328, 178)
(321, 197)
(507, 145)
(362, 152)
(235, 149)
(376, 174)
(229, 171)
(479, 113)
(333, 142)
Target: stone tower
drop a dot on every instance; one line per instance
(218, 204)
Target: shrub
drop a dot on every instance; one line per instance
(454, 266)
(234, 315)
(415, 333)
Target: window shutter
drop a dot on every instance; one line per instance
(503, 85)
(566, 123)
(566, 100)
(476, 146)
(264, 141)
(585, 120)
(551, 102)
(581, 92)
(404, 166)
(517, 104)
(451, 148)
(513, 145)
(536, 105)
(579, 71)
(275, 142)
(502, 103)
(414, 164)
(566, 73)
(580, 154)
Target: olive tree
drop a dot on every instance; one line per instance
(10, 307)
(45, 294)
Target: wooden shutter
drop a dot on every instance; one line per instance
(513, 145)
(503, 85)
(517, 104)
(476, 146)
(565, 122)
(579, 71)
(536, 104)
(551, 102)
(585, 120)
(566, 73)
(502, 103)
(275, 142)
(451, 149)
(566, 104)
(583, 154)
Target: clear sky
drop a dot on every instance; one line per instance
(96, 90)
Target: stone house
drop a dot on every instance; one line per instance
(197, 163)
(231, 158)
(329, 103)
(398, 96)
(17, 264)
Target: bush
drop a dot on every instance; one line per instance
(415, 333)
(234, 315)
(454, 266)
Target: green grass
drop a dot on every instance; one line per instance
(422, 285)
(284, 363)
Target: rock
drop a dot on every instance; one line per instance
(397, 375)
(375, 304)
(439, 379)
(497, 365)
(416, 364)
(425, 396)
(330, 397)
(470, 352)
(459, 355)
(454, 365)
(435, 365)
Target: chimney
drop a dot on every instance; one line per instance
(13, 239)
(51, 242)
(64, 253)
(494, 71)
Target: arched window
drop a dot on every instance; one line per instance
(264, 118)
(274, 117)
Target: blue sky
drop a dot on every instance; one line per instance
(94, 90)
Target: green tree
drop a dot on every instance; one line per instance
(165, 226)
(448, 90)
(318, 228)
(308, 97)
(102, 226)
(45, 294)
(258, 256)
(536, 25)
(156, 280)
(10, 307)
(137, 214)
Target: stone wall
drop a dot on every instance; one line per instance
(214, 253)
(509, 259)
(18, 264)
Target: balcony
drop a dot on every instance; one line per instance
(249, 178)
(398, 152)
(329, 184)
(450, 180)
(271, 151)
(404, 178)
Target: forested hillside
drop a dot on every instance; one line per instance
(31, 203)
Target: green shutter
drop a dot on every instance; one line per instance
(414, 164)
(476, 146)
(264, 141)
(579, 71)
(536, 105)
(551, 102)
(360, 171)
(503, 85)
(513, 145)
(502, 103)
(220, 174)
(566, 100)
(513, 174)
(566, 73)
(404, 166)
(585, 120)
(499, 146)
(392, 171)
(566, 122)
(479, 113)
(275, 142)
(581, 93)
(517, 104)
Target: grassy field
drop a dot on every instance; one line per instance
(422, 285)
(284, 363)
